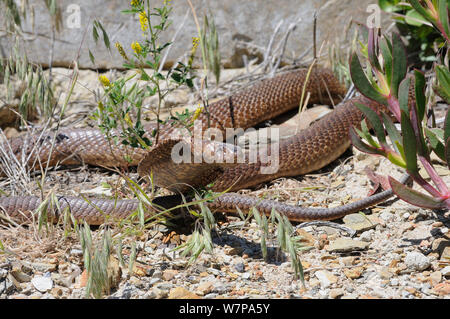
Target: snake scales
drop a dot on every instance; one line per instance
(304, 152)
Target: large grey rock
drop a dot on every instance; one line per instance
(238, 22)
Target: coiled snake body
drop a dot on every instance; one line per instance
(304, 152)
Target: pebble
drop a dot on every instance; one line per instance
(367, 235)
(325, 278)
(435, 277)
(417, 261)
(385, 273)
(44, 267)
(42, 283)
(204, 288)
(359, 222)
(442, 289)
(76, 252)
(239, 267)
(387, 215)
(353, 273)
(3, 273)
(346, 245)
(445, 256)
(182, 293)
(169, 274)
(20, 276)
(335, 293)
(446, 271)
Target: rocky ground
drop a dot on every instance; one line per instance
(393, 250)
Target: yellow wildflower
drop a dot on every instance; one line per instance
(143, 20)
(121, 51)
(167, 2)
(136, 47)
(104, 80)
(135, 3)
(197, 113)
(195, 42)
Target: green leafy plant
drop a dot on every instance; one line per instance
(420, 25)
(122, 108)
(385, 80)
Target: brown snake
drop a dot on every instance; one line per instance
(304, 152)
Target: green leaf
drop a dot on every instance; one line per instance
(398, 63)
(387, 57)
(91, 56)
(419, 89)
(403, 94)
(95, 32)
(435, 143)
(365, 134)
(414, 197)
(374, 120)
(372, 45)
(389, 5)
(361, 82)
(414, 18)
(409, 143)
(443, 15)
(443, 86)
(359, 144)
(447, 125)
(392, 131)
(418, 7)
(447, 152)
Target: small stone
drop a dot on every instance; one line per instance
(239, 267)
(353, 273)
(335, 293)
(42, 283)
(385, 273)
(349, 260)
(446, 271)
(158, 293)
(233, 251)
(56, 292)
(76, 252)
(326, 278)
(306, 238)
(439, 245)
(204, 288)
(387, 215)
(346, 245)
(43, 267)
(182, 293)
(442, 289)
(246, 275)
(169, 274)
(394, 282)
(359, 222)
(20, 275)
(154, 281)
(435, 277)
(446, 254)
(417, 261)
(3, 273)
(367, 235)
